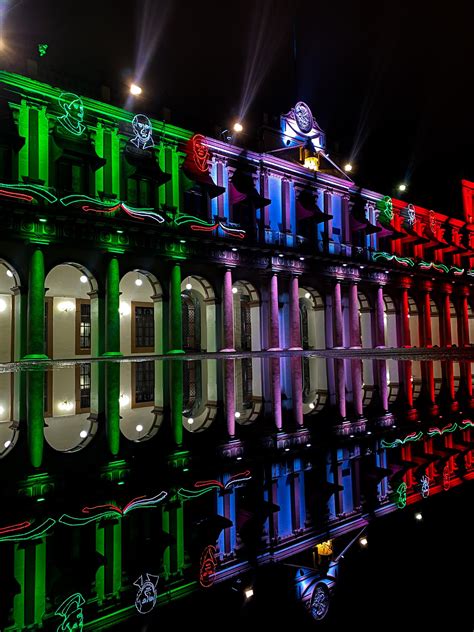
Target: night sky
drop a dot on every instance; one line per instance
(389, 84)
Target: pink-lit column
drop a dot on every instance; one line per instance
(229, 365)
(406, 337)
(274, 342)
(446, 339)
(380, 343)
(464, 338)
(340, 374)
(295, 343)
(355, 343)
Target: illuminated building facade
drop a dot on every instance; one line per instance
(126, 236)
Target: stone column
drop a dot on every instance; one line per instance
(295, 343)
(274, 341)
(446, 340)
(380, 343)
(355, 343)
(228, 312)
(112, 348)
(464, 341)
(339, 370)
(427, 340)
(176, 347)
(406, 367)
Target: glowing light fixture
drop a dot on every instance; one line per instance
(138, 282)
(7, 444)
(237, 414)
(402, 187)
(124, 400)
(66, 306)
(281, 254)
(189, 286)
(301, 258)
(190, 421)
(124, 309)
(83, 434)
(9, 274)
(135, 90)
(3, 305)
(234, 290)
(418, 516)
(2, 410)
(138, 427)
(311, 405)
(65, 406)
(307, 295)
(83, 278)
(248, 593)
(238, 127)
(363, 541)
(348, 167)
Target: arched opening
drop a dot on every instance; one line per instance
(141, 333)
(71, 332)
(392, 339)
(9, 352)
(313, 336)
(198, 305)
(248, 372)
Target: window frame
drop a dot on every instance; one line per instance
(79, 409)
(133, 345)
(79, 303)
(135, 404)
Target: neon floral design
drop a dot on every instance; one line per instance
(27, 192)
(91, 205)
(203, 487)
(21, 532)
(111, 511)
(413, 436)
(198, 224)
(404, 261)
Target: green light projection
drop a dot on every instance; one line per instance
(42, 49)
(385, 210)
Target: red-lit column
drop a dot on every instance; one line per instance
(463, 333)
(340, 375)
(274, 342)
(446, 341)
(427, 339)
(380, 343)
(406, 367)
(355, 343)
(295, 343)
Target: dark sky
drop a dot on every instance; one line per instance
(388, 81)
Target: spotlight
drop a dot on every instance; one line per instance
(348, 167)
(83, 434)
(138, 427)
(138, 282)
(135, 89)
(402, 187)
(238, 127)
(189, 286)
(363, 541)
(419, 516)
(248, 593)
(83, 278)
(234, 290)
(281, 254)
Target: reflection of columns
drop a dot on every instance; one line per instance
(35, 350)
(176, 347)
(380, 342)
(112, 348)
(295, 343)
(274, 340)
(427, 340)
(463, 329)
(355, 343)
(228, 311)
(406, 367)
(339, 370)
(446, 339)
(229, 385)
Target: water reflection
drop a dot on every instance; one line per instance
(199, 471)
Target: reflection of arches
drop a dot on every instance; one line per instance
(71, 331)
(366, 339)
(198, 304)
(141, 333)
(10, 351)
(313, 336)
(248, 378)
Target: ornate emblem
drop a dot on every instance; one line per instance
(304, 117)
(207, 566)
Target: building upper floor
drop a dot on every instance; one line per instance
(67, 156)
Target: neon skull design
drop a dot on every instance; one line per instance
(147, 594)
(71, 611)
(73, 116)
(143, 130)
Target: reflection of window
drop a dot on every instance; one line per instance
(245, 324)
(83, 388)
(83, 326)
(247, 380)
(143, 381)
(143, 327)
(48, 349)
(191, 386)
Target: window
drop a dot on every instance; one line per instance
(83, 326)
(191, 323)
(71, 176)
(143, 327)
(143, 380)
(245, 324)
(83, 388)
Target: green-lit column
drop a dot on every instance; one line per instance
(176, 347)
(29, 604)
(35, 351)
(112, 348)
(172, 521)
(109, 544)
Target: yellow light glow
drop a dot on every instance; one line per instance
(348, 167)
(238, 127)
